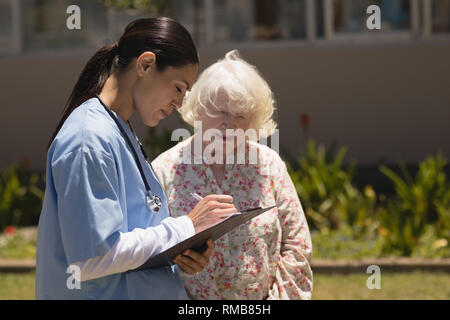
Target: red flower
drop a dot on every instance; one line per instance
(10, 231)
(304, 120)
(25, 162)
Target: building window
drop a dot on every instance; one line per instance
(441, 16)
(6, 30)
(233, 20)
(292, 19)
(191, 14)
(259, 20)
(33, 25)
(45, 25)
(118, 20)
(6, 26)
(350, 15)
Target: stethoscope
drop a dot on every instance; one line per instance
(154, 203)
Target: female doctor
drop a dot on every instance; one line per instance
(104, 212)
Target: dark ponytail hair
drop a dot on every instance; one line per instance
(167, 39)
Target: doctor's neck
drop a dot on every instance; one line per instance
(117, 95)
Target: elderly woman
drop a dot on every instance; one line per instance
(269, 257)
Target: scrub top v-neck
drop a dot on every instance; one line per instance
(95, 192)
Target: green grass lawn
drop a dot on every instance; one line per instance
(17, 286)
(416, 285)
(404, 286)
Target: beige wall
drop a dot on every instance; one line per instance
(385, 102)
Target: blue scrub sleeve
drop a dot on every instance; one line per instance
(89, 210)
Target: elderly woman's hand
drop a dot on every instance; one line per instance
(192, 262)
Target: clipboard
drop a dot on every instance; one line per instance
(198, 241)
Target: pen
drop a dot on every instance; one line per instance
(196, 196)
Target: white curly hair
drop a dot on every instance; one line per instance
(247, 93)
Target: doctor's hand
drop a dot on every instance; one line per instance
(192, 262)
(211, 210)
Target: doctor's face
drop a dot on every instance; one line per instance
(157, 93)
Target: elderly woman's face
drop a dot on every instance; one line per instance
(222, 118)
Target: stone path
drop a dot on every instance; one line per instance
(318, 266)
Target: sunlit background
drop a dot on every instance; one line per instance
(377, 99)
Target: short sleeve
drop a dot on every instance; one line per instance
(89, 211)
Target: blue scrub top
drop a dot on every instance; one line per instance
(94, 191)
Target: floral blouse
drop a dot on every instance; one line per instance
(266, 258)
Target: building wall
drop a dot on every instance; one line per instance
(387, 102)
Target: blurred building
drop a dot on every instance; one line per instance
(383, 93)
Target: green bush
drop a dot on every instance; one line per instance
(20, 197)
(430, 245)
(418, 202)
(326, 191)
(415, 221)
(443, 210)
(318, 182)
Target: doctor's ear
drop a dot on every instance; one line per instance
(145, 62)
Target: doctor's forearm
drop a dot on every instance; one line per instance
(133, 248)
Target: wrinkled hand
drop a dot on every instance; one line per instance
(192, 262)
(211, 210)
